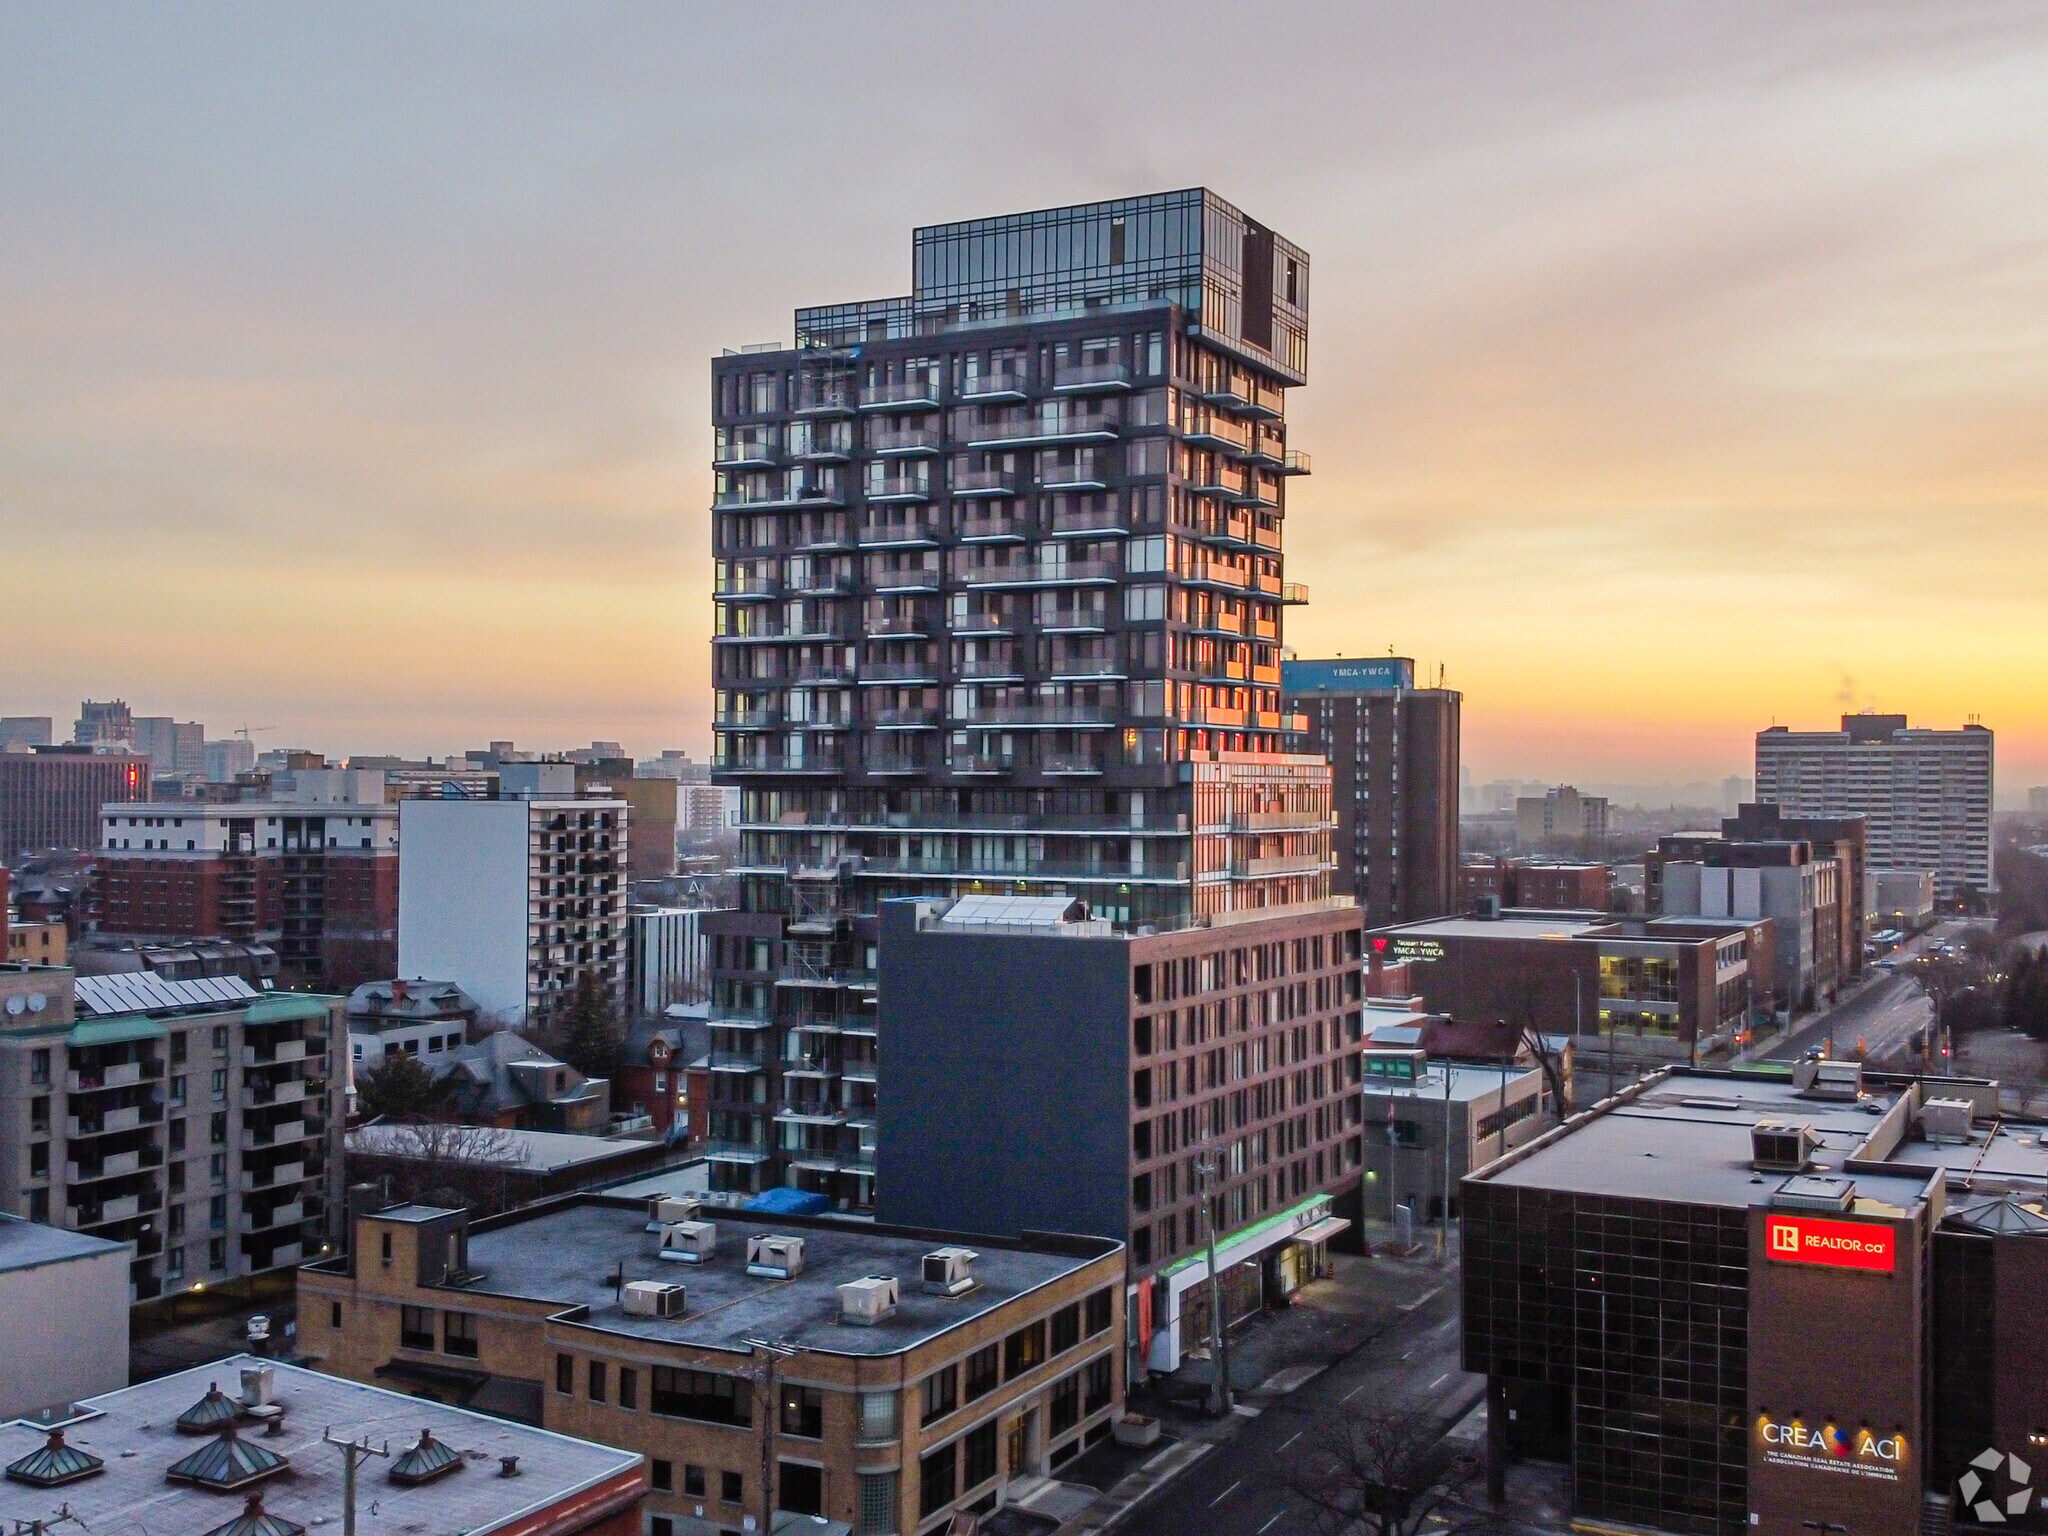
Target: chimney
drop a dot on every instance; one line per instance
(398, 992)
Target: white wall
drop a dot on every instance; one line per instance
(67, 1333)
(462, 899)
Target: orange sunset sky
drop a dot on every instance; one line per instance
(1674, 370)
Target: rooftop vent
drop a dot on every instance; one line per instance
(689, 1242)
(53, 1463)
(652, 1298)
(1945, 1120)
(1781, 1148)
(425, 1461)
(211, 1414)
(665, 1210)
(1829, 1079)
(254, 1520)
(226, 1464)
(949, 1271)
(775, 1258)
(1815, 1192)
(868, 1300)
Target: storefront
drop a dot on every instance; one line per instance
(1258, 1266)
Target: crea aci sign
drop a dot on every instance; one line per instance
(1835, 1244)
(1858, 1451)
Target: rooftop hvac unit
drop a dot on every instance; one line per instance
(868, 1300)
(651, 1298)
(689, 1242)
(1829, 1079)
(775, 1258)
(1945, 1120)
(949, 1271)
(1781, 1148)
(665, 1210)
(259, 1386)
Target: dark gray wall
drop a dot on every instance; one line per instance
(1005, 1091)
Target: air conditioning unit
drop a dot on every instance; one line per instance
(666, 1210)
(775, 1258)
(689, 1242)
(868, 1300)
(1820, 1079)
(949, 1271)
(651, 1298)
(1781, 1148)
(1945, 1120)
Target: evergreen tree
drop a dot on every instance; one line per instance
(398, 1087)
(590, 1036)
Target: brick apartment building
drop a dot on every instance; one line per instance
(1544, 885)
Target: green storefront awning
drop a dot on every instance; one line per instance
(116, 1031)
(1296, 1216)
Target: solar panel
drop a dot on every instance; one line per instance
(142, 992)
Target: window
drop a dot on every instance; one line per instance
(1066, 1403)
(629, 1387)
(984, 1370)
(216, 1251)
(416, 1328)
(800, 1488)
(565, 1373)
(1097, 1312)
(803, 1415)
(178, 1091)
(877, 1416)
(685, 1394)
(941, 1394)
(595, 1381)
(1066, 1328)
(334, 1314)
(39, 1068)
(936, 1473)
(732, 1487)
(220, 1083)
(458, 1334)
(174, 1264)
(662, 1474)
(876, 1511)
(1024, 1350)
(978, 1454)
(1098, 1382)
(693, 1480)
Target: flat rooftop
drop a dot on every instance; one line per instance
(567, 1254)
(133, 1431)
(28, 1244)
(524, 1151)
(1511, 924)
(1469, 1084)
(1686, 1139)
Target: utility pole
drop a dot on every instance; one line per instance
(353, 1454)
(1209, 1169)
(773, 1351)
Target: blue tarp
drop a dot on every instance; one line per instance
(784, 1201)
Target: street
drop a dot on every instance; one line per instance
(1883, 1013)
(1232, 1491)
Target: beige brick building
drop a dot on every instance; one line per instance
(885, 1428)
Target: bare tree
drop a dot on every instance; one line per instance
(1386, 1472)
(432, 1162)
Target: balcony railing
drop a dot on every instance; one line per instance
(899, 488)
(1279, 864)
(1294, 593)
(1294, 462)
(274, 1177)
(987, 482)
(900, 394)
(748, 586)
(1095, 521)
(917, 719)
(881, 532)
(780, 762)
(994, 386)
(764, 718)
(1072, 619)
(822, 493)
(993, 527)
(900, 672)
(1063, 426)
(907, 440)
(1034, 573)
(744, 453)
(123, 1074)
(897, 761)
(1088, 716)
(273, 1055)
(1081, 378)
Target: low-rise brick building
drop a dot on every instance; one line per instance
(883, 1378)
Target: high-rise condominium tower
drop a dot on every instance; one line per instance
(998, 609)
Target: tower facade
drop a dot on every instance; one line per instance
(999, 593)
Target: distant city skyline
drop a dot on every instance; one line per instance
(357, 379)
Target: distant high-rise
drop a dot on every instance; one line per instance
(105, 723)
(1393, 751)
(1924, 795)
(229, 757)
(998, 608)
(1561, 818)
(176, 748)
(24, 731)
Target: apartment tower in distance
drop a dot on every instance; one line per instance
(1924, 795)
(1393, 752)
(998, 611)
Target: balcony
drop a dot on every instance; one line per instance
(835, 398)
(291, 1214)
(1091, 522)
(1053, 427)
(282, 1133)
(994, 387)
(920, 719)
(906, 441)
(899, 532)
(990, 669)
(993, 528)
(976, 765)
(1092, 717)
(1041, 573)
(1072, 765)
(987, 482)
(273, 1055)
(290, 1091)
(117, 1165)
(821, 444)
(124, 1074)
(781, 763)
(764, 718)
(275, 1177)
(899, 762)
(1293, 593)
(984, 621)
(1219, 436)
(1215, 573)
(899, 626)
(899, 488)
(802, 492)
(1278, 865)
(742, 1063)
(901, 395)
(1294, 462)
(745, 1152)
(752, 453)
(1072, 621)
(1010, 871)
(750, 588)
(1091, 378)
(878, 673)
(107, 1123)
(904, 578)
(1278, 821)
(815, 673)
(811, 1112)
(101, 1213)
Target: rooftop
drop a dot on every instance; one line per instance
(1513, 923)
(133, 1432)
(567, 1254)
(528, 1151)
(27, 1244)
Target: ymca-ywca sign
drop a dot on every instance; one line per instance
(1858, 1451)
(1836, 1244)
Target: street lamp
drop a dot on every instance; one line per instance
(773, 1352)
(1209, 1174)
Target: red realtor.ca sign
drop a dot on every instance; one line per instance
(1838, 1244)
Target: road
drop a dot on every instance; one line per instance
(1232, 1491)
(1883, 1013)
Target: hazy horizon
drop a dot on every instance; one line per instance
(1673, 371)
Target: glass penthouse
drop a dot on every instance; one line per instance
(998, 608)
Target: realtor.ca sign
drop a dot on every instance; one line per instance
(1836, 1244)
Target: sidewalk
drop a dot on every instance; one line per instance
(1270, 1356)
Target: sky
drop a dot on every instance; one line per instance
(1674, 371)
